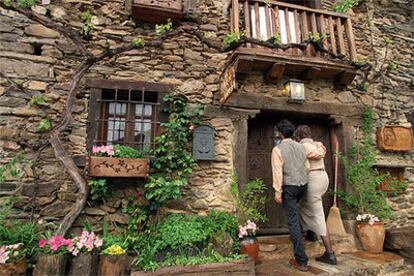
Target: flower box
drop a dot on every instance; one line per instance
(395, 138)
(118, 167)
(14, 269)
(113, 264)
(85, 264)
(50, 265)
(157, 11)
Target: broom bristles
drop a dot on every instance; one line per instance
(334, 222)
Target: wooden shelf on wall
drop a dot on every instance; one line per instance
(157, 11)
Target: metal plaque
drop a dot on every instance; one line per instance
(203, 143)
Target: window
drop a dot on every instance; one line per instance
(126, 113)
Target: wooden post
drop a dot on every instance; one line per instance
(247, 20)
(332, 35)
(341, 41)
(235, 9)
(351, 41)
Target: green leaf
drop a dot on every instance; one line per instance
(38, 100)
(44, 125)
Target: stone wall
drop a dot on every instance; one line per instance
(42, 61)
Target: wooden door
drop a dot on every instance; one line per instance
(260, 145)
(261, 141)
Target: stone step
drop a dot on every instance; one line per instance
(279, 247)
(358, 263)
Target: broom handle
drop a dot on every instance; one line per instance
(335, 147)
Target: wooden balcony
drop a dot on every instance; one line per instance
(291, 25)
(158, 11)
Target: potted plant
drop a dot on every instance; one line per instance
(366, 198)
(12, 260)
(84, 249)
(250, 202)
(249, 242)
(53, 256)
(371, 232)
(117, 161)
(113, 261)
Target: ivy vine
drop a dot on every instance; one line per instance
(173, 158)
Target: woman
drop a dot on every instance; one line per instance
(310, 207)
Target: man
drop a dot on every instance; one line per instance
(290, 184)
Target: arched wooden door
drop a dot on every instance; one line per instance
(261, 140)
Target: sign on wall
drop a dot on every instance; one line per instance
(228, 83)
(203, 143)
(395, 138)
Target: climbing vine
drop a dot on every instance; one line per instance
(173, 158)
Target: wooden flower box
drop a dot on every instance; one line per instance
(395, 138)
(118, 167)
(50, 265)
(113, 265)
(14, 269)
(157, 11)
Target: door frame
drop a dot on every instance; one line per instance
(340, 116)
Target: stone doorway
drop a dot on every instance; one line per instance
(261, 140)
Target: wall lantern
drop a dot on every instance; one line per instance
(296, 90)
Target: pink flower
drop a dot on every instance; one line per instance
(98, 242)
(95, 149)
(192, 127)
(42, 243)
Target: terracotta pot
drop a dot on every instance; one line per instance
(371, 236)
(250, 247)
(14, 269)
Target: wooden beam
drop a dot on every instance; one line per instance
(129, 85)
(343, 79)
(264, 102)
(275, 72)
(310, 74)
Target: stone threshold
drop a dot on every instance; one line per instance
(280, 247)
(357, 263)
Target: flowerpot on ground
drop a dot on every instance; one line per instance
(50, 265)
(371, 236)
(14, 269)
(85, 264)
(118, 167)
(113, 265)
(250, 247)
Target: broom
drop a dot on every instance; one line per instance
(334, 221)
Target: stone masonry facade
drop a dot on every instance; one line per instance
(42, 62)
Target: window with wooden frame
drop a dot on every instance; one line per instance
(125, 112)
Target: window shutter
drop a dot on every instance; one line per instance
(93, 116)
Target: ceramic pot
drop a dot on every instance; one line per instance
(14, 269)
(371, 236)
(250, 247)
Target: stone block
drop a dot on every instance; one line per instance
(41, 31)
(37, 85)
(56, 209)
(23, 68)
(401, 240)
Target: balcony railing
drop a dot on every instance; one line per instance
(288, 23)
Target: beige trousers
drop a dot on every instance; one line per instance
(311, 212)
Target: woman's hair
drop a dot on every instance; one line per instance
(303, 131)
